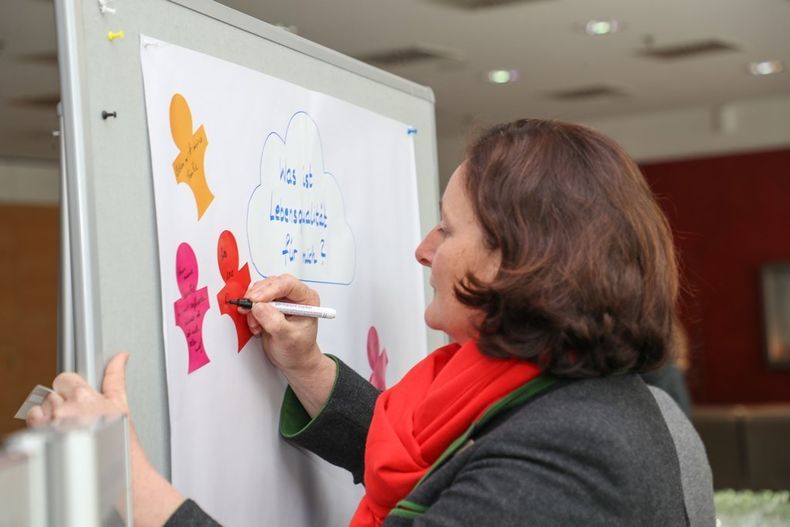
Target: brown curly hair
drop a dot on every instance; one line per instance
(588, 280)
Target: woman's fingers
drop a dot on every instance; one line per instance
(35, 416)
(263, 318)
(255, 327)
(282, 287)
(73, 397)
(288, 341)
(114, 383)
(51, 405)
(268, 317)
(50, 408)
(66, 383)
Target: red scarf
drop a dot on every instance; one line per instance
(417, 419)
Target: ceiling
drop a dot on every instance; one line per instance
(669, 54)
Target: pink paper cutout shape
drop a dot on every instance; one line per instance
(237, 281)
(191, 307)
(377, 359)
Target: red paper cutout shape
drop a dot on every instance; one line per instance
(378, 360)
(191, 307)
(237, 281)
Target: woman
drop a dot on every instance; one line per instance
(554, 276)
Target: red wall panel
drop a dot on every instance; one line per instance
(729, 215)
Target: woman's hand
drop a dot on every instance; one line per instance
(75, 398)
(289, 341)
(154, 499)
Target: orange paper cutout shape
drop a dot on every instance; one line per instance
(189, 166)
(237, 281)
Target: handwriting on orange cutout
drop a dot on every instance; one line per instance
(237, 281)
(189, 166)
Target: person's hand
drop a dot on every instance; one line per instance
(73, 397)
(154, 499)
(289, 341)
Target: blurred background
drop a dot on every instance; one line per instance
(698, 91)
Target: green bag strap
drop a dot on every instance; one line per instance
(519, 396)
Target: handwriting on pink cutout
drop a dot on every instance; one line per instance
(237, 281)
(191, 307)
(377, 359)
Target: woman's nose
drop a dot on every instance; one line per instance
(426, 248)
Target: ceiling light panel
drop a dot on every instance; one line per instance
(502, 76)
(766, 67)
(600, 27)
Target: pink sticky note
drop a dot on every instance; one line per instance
(378, 360)
(191, 307)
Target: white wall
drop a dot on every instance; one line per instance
(757, 124)
(29, 182)
(739, 126)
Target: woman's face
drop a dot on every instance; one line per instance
(453, 249)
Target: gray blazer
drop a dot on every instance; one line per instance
(605, 451)
(590, 452)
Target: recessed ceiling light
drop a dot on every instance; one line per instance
(602, 27)
(766, 67)
(502, 76)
